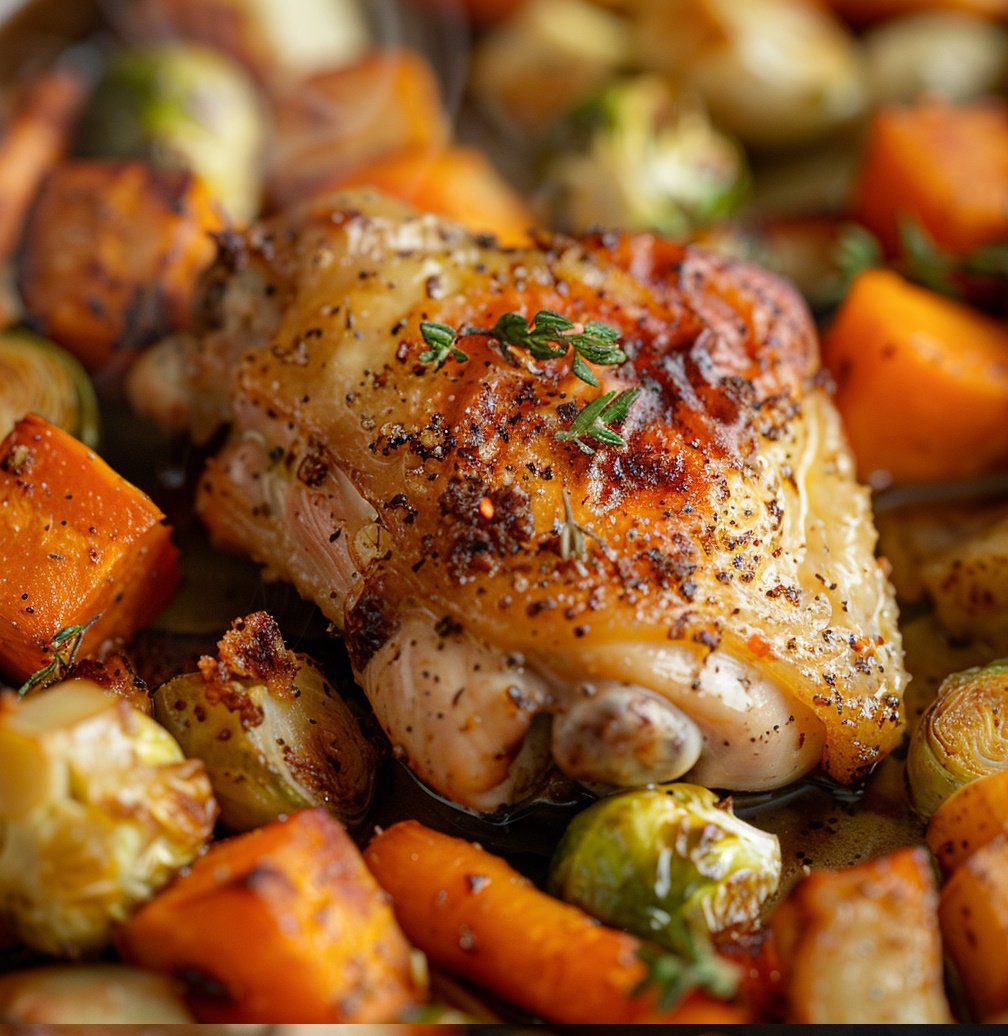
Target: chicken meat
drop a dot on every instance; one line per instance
(701, 601)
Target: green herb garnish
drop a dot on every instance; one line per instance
(594, 420)
(548, 337)
(63, 647)
(441, 339)
(672, 977)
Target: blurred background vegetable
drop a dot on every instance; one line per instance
(182, 106)
(273, 733)
(640, 155)
(960, 737)
(774, 72)
(669, 863)
(111, 255)
(99, 809)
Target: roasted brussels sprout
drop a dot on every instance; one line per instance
(666, 862)
(99, 994)
(37, 376)
(273, 733)
(961, 735)
(182, 106)
(641, 156)
(98, 810)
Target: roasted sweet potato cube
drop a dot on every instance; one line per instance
(861, 945)
(112, 254)
(79, 543)
(968, 820)
(974, 925)
(284, 922)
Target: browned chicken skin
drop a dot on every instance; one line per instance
(725, 618)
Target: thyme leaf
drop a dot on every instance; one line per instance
(672, 976)
(63, 648)
(592, 422)
(441, 340)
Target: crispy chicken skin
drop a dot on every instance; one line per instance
(726, 619)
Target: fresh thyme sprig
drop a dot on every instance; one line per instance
(63, 647)
(548, 337)
(672, 976)
(572, 536)
(592, 422)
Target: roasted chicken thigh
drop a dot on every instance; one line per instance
(702, 601)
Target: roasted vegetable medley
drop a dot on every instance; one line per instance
(504, 511)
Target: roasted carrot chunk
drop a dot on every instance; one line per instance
(475, 916)
(111, 256)
(975, 815)
(457, 182)
(79, 543)
(922, 381)
(861, 945)
(284, 922)
(941, 165)
(974, 924)
(339, 120)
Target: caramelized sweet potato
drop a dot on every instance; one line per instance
(922, 381)
(974, 925)
(78, 542)
(457, 182)
(943, 166)
(284, 922)
(861, 945)
(345, 118)
(111, 256)
(34, 140)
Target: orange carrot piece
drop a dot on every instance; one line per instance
(974, 924)
(944, 166)
(458, 182)
(78, 541)
(861, 945)
(339, 120)
(968, 820)
(922, 381)
(36, 138)
(475, 916)
(112, 254)
(284, 923)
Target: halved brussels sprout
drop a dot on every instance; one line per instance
(37, 376)
(183, 106)
(98, 810)
(272, 731)
(641, 156)
(961, 735)
(666, 862)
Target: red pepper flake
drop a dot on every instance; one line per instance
(486, 508)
